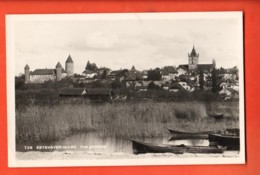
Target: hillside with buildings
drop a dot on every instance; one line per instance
(170, 81)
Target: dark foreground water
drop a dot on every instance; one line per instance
(93, 142)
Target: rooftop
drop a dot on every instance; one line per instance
(84, 91)
(58, 65)
(27, 67)
(183, 66)
(207, 67)
(69, 59)
(193, 53)
(170, 69)
(100, 91)
(71, 91)
(43, 72)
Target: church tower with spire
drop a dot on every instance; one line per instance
(69, 66)
(193, 59)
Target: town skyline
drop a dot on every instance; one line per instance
(121, 68)
(144, 43)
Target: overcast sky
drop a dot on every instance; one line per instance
(144, 43)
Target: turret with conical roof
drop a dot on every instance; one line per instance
(193, 59)
(58, 71)
(133, 68)
(69, 59)
(27, 74)
(69, 66)
(58, 65)
(214, 63)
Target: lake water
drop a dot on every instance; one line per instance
(95, 143)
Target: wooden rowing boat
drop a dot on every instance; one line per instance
(188, 133)
(232, 131)
(206, 149)
(217, 116)
(181, 135)
(185, 136)
(142, 147)
(232, 142)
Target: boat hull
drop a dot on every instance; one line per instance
(188, 136)
(231, 142)
(142, 148)
(189, 133)
(217, 117)
(179, 135)
(206, 149)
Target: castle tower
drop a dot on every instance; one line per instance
(214, 63)
(69, 66)
(58, 71)
(27, 74)
(193, 59)
(133, 68)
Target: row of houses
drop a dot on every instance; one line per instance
(185, 76)
(169, 78)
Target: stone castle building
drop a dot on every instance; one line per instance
(42, 75)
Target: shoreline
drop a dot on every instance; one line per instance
(85, 155)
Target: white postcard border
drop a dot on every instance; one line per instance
(10, 37)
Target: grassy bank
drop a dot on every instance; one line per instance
(37, 123)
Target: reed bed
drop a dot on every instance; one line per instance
(44, 123)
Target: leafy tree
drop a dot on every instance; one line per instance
(154, 74)
(77, 76)
(104, 74)
(153, 86)
(91, 66)
(98, 84)
(214, 80)
(201, 79)
(20, 81)
(183, 77)
(182, 94)
(116, 85)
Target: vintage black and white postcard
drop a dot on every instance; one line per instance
(125, 89)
